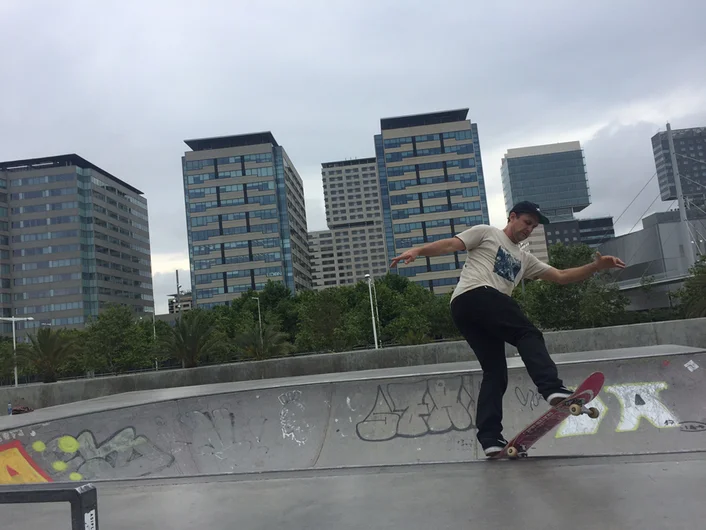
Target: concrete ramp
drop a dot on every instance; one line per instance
(654, 401)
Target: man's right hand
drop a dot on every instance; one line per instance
(408, 256)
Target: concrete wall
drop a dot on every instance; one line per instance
(690, 332)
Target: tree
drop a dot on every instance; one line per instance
(692, 295)
(328, 320)
(116, 342)
(273, 342)
(590, 303)
(195, 337)
(46, 353)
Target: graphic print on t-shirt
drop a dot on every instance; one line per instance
(506, 265)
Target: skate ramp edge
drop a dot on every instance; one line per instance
(650, 404)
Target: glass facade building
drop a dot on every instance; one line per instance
(690, 148)
(246, 218)
(73, 238)
(552, 176)
(432, 187)
(592, 232)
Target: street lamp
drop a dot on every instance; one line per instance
(14, 339)
(259, 318)
(372, 310)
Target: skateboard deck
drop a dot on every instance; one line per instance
(574, 405)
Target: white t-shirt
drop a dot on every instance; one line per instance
(494, 260)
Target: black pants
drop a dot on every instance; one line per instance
(488, 319)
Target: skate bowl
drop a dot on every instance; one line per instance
(652, 402)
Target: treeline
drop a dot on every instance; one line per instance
(332, 320)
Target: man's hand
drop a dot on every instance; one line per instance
(408, 256)
(608, 262)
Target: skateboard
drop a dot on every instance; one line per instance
(574, 405)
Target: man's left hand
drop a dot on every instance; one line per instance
(608, 262)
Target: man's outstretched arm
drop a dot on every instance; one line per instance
(577, 274)
(436, 248)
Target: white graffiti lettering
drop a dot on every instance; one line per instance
(637, 401)
(410, 410)
(293, 425)
(641, 400)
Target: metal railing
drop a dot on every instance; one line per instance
(83, 500)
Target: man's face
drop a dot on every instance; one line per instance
(521, 226)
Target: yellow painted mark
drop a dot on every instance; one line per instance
(68, 444)
(38, 446)
(76, 476)
(59, 466)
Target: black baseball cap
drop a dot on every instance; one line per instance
(530, 207)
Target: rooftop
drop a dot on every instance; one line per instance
(60, 161)
(547, 149)
(239, 140)
(352, 162)
(417, 120)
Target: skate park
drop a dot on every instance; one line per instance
(389, 446)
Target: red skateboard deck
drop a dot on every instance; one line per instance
(575, 405)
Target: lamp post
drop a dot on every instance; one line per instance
(372, 311)
(259, 319)
(14, 339)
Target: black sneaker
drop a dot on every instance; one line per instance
(558, 396)
(492, 446)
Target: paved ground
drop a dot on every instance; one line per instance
(649, 492)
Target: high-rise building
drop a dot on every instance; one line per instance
(592, 232)
(246, 218)
(690, 150)
(536, 244)
(552, 176)
(74, 239)
(432, 187)
(354, 245)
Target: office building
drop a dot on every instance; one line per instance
(656, 262)
(432, 187)
(246, 219)
(592, 232)
(552, 176)
(354, 245)
(690, 149)
(73, 239)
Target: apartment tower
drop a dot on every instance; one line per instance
(246, 218)
(432, 187)
(354, 245)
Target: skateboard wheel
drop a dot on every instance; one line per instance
(512, 452)
(575, 409)
(593, 412)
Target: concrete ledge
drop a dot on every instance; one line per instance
(690, 332)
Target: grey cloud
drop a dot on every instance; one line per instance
(124, 83)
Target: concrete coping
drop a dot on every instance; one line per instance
(143, 397)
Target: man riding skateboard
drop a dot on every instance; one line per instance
(485, 313)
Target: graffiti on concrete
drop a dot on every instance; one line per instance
(637, 401)
(411, 410)
(294, 426)
(17, 467)
(692, 426)
(531, 398)
(215, 442)
(123, 455)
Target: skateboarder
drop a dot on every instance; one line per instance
(487, 316)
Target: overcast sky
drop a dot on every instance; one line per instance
(123, 86)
